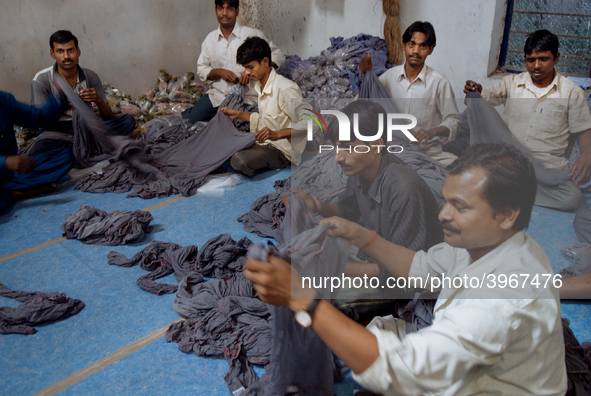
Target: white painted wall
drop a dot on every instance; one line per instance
(127, 42)
(469, 32)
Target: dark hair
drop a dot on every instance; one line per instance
(231, 3)
(422, 27)
(369, 114)
(62, 37)
(253, 49)
(511, 180)
(540, 41)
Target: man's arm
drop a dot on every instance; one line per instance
(430, 360)
(576, 288)
(581, 169)
(272, 282)
(394, 258)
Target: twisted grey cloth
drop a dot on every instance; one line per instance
(37, 308)
(301, 363)
(94, 226)
(219, 257)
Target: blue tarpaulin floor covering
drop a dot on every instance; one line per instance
(116, 345)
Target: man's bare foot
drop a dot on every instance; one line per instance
(25, 194)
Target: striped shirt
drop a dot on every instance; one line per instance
(398, 205)
(543, 123)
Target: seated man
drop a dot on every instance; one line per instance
(542, 109)
(489, 339)
(217, 62)
(64, 49)
(278, 143)
(382, 192)
(22, 177)
(423, 92)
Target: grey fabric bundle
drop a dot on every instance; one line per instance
(487, 126)
(94, 226)
(224, 320)
(37, 308)
(300, 361)
(178, 169)
(219, 257)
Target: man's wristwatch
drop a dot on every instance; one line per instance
(304, 317)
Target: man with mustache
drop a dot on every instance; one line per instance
(217, 62)
(543, 109)
(423, 92)
(63, 47)
(382, 193)
(494, 339)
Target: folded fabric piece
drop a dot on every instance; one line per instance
(267, 212)
(37, 308)
(94, 226)
(301, 363)
(487, 126)
(219, 257)
(580, 255)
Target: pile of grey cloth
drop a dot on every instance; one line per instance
(156, 165)
(36, 308)
(97, 227)
(220, 256)
(335, 72)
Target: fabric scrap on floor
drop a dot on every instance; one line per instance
(37, 308)
(96, 227)
(220, 256)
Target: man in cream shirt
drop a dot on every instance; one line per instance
(217, 62)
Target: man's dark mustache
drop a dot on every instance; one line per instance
(447, 226)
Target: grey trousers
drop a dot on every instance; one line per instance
(565, 196)
(258, 157)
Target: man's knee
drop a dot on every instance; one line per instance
(127, 123)
(239, 162)
(573, 200)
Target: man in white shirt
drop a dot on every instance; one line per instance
(217, 62)
(542, 109)
(280, 103)
(500, 336)
(423, 92)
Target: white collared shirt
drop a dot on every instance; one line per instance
(429, 97)
(277, 102)
(503, 341)
(219, 53)
(542, 124)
